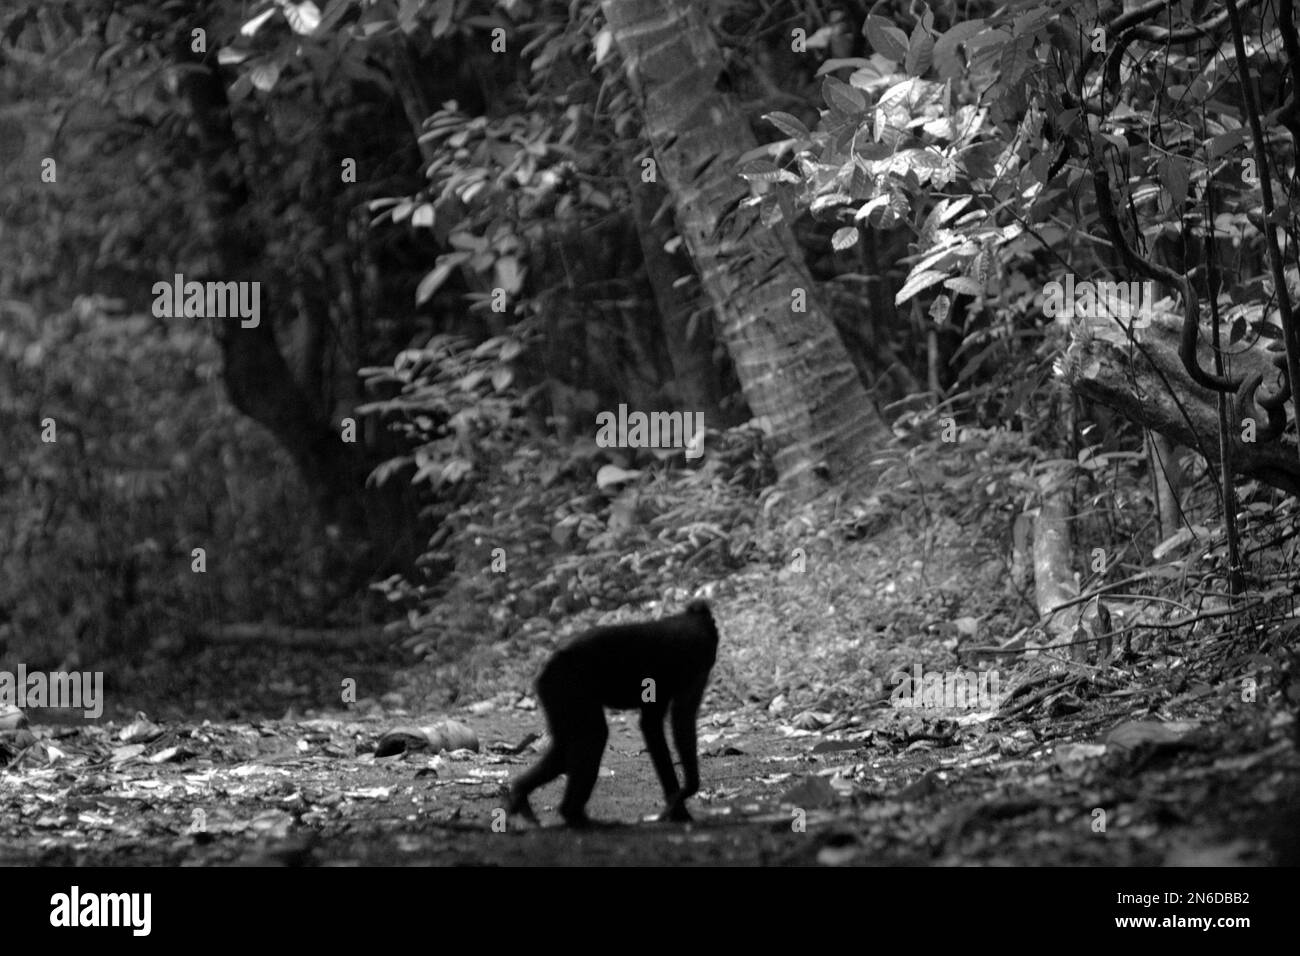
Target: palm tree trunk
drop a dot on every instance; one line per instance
(796, 375)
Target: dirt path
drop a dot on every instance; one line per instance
(897, 787)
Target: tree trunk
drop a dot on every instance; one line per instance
(1054, 581)
(696, 382)
(1149, 385)
(1166, 476)
(793, 368)
(1022, 538)
(257, 377)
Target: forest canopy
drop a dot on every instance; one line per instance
(1024, 266)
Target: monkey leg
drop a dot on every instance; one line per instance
(683, 713)
(553, 695)
(550, 766)
(583, 750)
(683, 721)
(652, 730)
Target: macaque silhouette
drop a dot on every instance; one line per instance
(614, 667)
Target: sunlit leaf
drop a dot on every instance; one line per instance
(790, 125)
(918, 282)
(303, 17)
(613, 475)
(264, 75)
(255, 24)
(603, 43)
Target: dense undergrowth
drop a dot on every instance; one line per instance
(121, 456)
(821, 603)
(533, 536)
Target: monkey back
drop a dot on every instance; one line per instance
(613, 664)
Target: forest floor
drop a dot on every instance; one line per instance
(1092, 785)
(1167, 751)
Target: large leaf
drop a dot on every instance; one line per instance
(838, 63)
(303, 17)
(964, 285)
(885, 38)
(790, 125)
(842, 97)
(946, 59)
(440, 273)
(920, 52)
(844, 238)
(918, 282)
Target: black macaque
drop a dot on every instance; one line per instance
(659, 667)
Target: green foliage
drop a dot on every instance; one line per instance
(490, 181)
(455, 409)
(986, 141)
(498, 186)
(958, 134)
(568, 540)
(150, 462)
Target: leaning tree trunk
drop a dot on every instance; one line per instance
(1145, 381)
(793, 368)
(695, 380)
